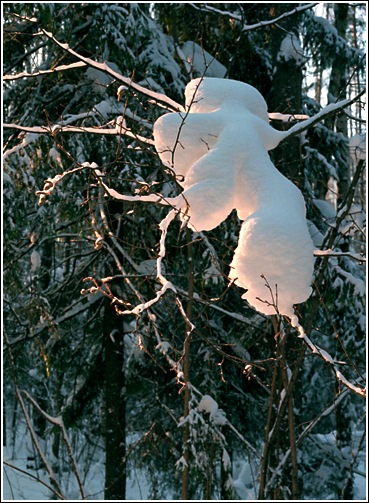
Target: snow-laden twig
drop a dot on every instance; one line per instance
(277, 116)
(261, 24)
(60, 68)
(163, 226)
(327, 111)
(175, 202)
(128, 83)
(50, 183)
(332, 253)
(58, 421)
(27, 140)
(118, 130)
(324, 355)
(239, 435)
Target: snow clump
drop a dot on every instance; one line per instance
(209, 405)
(219, 150)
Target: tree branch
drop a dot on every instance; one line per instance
(255, 26)
(58, 495)
(61, 68)
(327, 111)
(104, 67)
(118, 130)
(359, 390)
(58, 421)
(332, 253)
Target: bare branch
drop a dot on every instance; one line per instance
(58, 421)
(30, 428)
(58, 495)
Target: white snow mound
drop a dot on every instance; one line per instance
(220, 148)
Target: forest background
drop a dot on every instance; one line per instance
(108, 379)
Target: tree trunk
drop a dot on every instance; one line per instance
(115, 421)
(286, 95)
(186, 372)
(336, 92)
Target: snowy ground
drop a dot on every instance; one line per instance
(18, 486)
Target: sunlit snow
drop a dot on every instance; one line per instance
(219, 150)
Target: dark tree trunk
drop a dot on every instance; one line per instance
(336, 92)
(286, 94)
(115, 421)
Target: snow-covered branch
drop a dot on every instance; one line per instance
(327, 111)
(261, 24)
(60, 68)
(118, 130)
(324, 355)
(277, 116)
(127, 82)
(332, 253)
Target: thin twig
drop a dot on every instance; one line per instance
(58, 421)
(58, 495)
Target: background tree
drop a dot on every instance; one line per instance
(111, 362)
